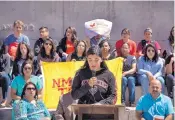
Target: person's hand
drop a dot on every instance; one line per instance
(73, 60)
(124, 74)
(172, 60)
(64, 54)
(92, 81)
(150, 76)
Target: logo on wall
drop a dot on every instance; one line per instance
(8, 27)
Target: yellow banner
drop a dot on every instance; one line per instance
(58, 78)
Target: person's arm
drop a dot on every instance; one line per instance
(140, 66)
(139, 109)
(169, 117)
(169, 109)
(59, 111)
(20, 110)
(60, 45)
(7, 66)
(112, 91)
(133, 70)
(14, 88)
(69, 58)
(46, 112)
(79, 90)
(169, 67)
(26, 39)
(159, 72)
(139, 50)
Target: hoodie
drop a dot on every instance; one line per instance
(103, 93)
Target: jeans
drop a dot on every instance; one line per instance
(130, 82)
(170, 83)
(6, 83)
(144, 81)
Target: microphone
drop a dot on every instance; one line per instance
(93, 74)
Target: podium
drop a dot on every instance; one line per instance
(80, 109)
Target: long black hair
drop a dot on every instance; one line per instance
(94, 50)
(25, 87)
(19, 54)
(156, 56)
(74, 34)
(2, 49)
(102, 42)
(52, 52)
(171, 37)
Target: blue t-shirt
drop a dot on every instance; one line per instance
(19, 82)
(150, 107)
(11, 39)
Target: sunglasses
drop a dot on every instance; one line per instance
(150, 50)
(48, 44)
(30, 88)
(27, 68)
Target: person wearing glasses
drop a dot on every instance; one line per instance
(80, 52)
(125, 34)
(19, 81)
(30, 107)
(149, 67)
(48, 52)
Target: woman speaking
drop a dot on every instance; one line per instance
(94, 83)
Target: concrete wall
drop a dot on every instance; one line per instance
(58, 15)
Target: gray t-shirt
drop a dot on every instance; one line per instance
(128, 61)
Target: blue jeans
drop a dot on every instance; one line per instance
(144, 81)
(130, 82)
(7, 79)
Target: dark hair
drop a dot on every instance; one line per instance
(102, 42)
(41, 28)
(25, 87)
(167, 61)
(53, 50)
(171, 37)
(94, 50)
(126, 30)
(156, 56)
(19, 55)
(74, 34)
(24, 63)
(85, 50)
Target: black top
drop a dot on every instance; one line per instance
(38, 44)
(104, 92)
(61, 47)
(77, 58)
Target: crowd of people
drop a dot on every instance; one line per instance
(143, 64)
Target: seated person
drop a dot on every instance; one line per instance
(125, 34)
(169, 71)
(128, 76)
(105, 50)
(29, 107)
(147, 40)
(63, 111)
(66, 45)
(150, 67)
(80, 52)
(94, 83)
(154, 103)
(4, 73)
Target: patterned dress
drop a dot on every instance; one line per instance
(25, 110)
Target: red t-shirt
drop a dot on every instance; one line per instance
(131, 43)
(69, 47)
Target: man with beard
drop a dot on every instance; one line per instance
(154, 104)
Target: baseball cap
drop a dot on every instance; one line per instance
(148, 30)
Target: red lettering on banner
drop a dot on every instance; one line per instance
(63, 85)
